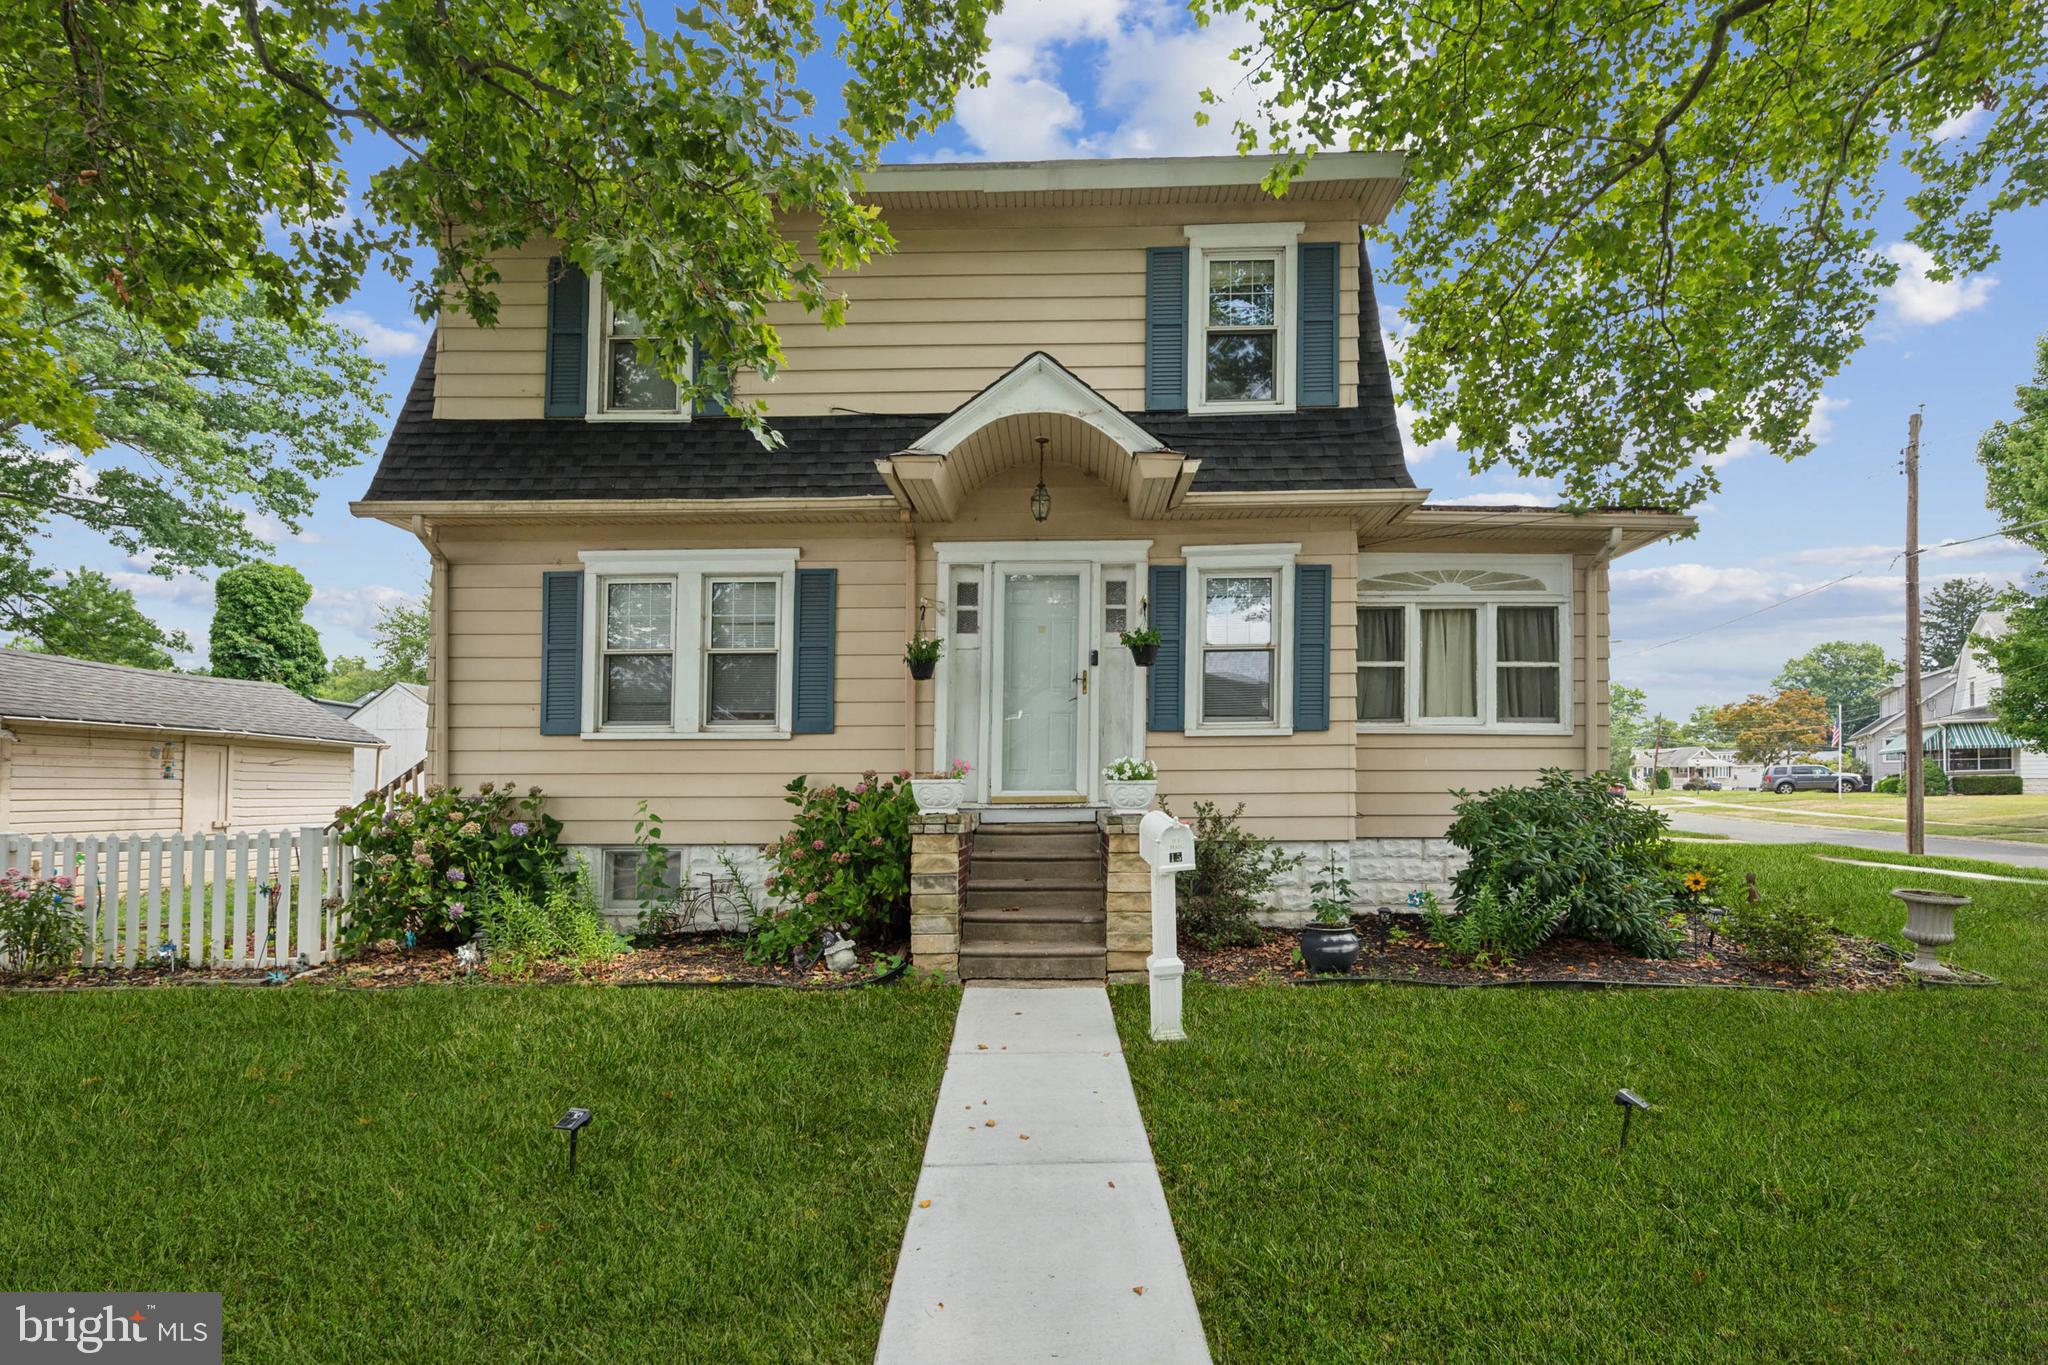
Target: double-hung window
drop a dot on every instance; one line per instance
(1239, 597)
(688, 643)
(1464, 641)
(624, 382)
(1241, 317)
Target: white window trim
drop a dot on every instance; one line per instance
(1239, 241)
(1555, 571)
(596, 369)
(692, 571)
(1206, 561)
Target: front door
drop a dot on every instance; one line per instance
(1040, 680)
(206, 788)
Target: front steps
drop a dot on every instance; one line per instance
(1033, 908)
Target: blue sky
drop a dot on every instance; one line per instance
(1119, 78)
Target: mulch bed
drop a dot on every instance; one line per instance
(692, 960)
(1396, 950)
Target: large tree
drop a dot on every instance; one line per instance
(1636, 235)
(1947, 615)
(2015, 458)
(197, 442)
(88, 617)
(1628, 711)
(1772, 729)
(259, 629)
(1844, 674)
(153, 150)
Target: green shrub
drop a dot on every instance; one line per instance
(844, 864)
(1987, 784)
(1577, 845)
(1785, 929)
(1890, 786)
(1493, 928)
(41, 926)
(422, 864)
(1937, 780)
(1234, 871)
(1663, 779)
(561, 924)
(1330, 895)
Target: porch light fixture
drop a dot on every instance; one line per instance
(1041, 500)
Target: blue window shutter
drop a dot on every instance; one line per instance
(1164, 709)
(1166, 328)
(568, 336)
(817, 632)
(561, 653)
(1315, 352)
(1311, 646)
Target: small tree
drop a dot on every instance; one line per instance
(1772, 729)
(87, 617)
(1935, 776)
(259, 631)
(1663, 779)
(402, 633)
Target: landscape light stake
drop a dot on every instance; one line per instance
(572, 1123)
(1629, 1101)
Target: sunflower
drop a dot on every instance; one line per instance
(1695, 882)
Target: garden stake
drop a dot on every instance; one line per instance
(1629, 1101)
(572, 1123)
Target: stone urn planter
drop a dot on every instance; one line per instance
(1330, 947)
(938, 795)
(1930, 924)
(1128, 798)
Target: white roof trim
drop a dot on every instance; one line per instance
(1038, 384)
(1123, 173)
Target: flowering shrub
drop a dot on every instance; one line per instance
(844, 864)
(41, 928)
(425, 861)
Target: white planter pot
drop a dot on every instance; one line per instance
(1930, 924)
(1129, 798)
(938, 795)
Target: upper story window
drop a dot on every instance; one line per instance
(624, 383)
(1240, 317)
(1464, 641)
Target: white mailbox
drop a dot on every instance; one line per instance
(1168, 848)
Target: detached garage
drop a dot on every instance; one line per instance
(89, 748)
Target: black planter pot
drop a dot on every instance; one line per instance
(1144, 654)
(924, 670)
(1328, 949)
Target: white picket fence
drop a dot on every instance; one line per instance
(254, 898)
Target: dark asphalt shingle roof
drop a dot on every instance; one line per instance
(430, 459)
(55, 688)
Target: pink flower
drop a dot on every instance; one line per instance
(902, 773)
(859, 789)
(811, 899)
(817, 845)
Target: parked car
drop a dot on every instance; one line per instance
(1784, 778)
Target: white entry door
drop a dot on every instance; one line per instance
(1040, 704)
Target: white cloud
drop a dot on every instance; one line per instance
(1963, 124)
(1500, 497)
(1820, 425)
(1915, 298)
(383, 341)
(1701, 582)
(271, 531)
(184, 589)
(354, 609)
(1404, 417)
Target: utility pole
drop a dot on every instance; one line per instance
(1916, 759)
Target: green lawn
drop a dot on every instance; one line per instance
(1417, 1173)
(2020, 818)
(370, 1176)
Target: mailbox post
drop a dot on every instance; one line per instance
(1168, 848)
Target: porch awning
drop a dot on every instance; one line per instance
(1963, 735)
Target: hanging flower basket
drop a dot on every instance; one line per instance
(1143, 644)
(922, 654)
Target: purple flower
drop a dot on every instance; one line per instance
(519, 829)
(455, 909)
(457, 875)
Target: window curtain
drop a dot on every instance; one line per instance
(1527, 635)
(1450, 664)
(1381, 653)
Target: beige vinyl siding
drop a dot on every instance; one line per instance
(93, 781)
(1405, 781)
(962, 299)
(280, 786)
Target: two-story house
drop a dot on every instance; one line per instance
(1079, 397)
(1959, 730)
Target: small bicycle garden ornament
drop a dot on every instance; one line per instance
(1129, 784)
(922, 654)
(941, 793)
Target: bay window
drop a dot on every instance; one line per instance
(1464, 642)
(688, 643)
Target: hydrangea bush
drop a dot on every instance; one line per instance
(41, 925)
(844, 864)
(423, 862)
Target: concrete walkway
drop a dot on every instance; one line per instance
(1039, 1216)
(1772, 832)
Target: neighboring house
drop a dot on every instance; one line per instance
(91, 748)
(632, 601)
(1685, 763)
(396, 715)
(1959, 728)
